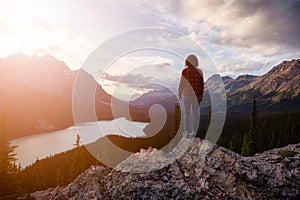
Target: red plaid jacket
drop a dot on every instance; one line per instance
(191, 82)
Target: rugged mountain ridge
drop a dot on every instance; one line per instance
(276, 91)
(283, 77)
(278, 86)
(219, 174)
(231, 85)
(36, 95)
(45, 73)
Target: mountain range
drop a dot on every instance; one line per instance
(276, 91)
(36, 94)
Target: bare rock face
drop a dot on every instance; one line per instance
(280, 83)
(217, 174)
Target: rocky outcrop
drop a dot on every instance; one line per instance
(216, 174)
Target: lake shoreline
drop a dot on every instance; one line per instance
(38, 146)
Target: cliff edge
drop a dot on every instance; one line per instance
(219, 174)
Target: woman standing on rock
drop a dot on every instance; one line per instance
(190, 93)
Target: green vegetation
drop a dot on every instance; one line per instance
(250, 139)
(78, 161)
(273, 130)
(175, 121)
(288, 154)
(266, 132)
(59, 169)
(9, 172)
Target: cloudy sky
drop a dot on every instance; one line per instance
(240, 37)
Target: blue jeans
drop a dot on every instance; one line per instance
(191, 113)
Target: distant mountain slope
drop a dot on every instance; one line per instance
(283, 80)
(46, 74)
(276, 91)
(232, 85)
(164, 97)
(37, 91)
(28, 111)
(36, 95)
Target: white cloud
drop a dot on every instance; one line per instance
(240, 33)
(69, 30)
(269, 26)
(234, 32)
(137, 64)
(34, 39)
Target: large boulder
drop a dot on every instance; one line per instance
(204, 171)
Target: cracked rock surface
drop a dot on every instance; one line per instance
(217, 174)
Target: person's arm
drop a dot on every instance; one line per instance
(181, 86)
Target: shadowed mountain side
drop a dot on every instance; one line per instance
(46, 74)
(276, 91)
(29, 111)
(36, 96)
(104, 103)
(231, 85)
(163, 97)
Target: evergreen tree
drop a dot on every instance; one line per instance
(209, 116)
(19, 178)
(78, 163)
(206, 121)
(231, 146)
(8, 169)
(246, 148)
(38, 183)
(59, 178)
(273, 140)
(175, 121)
(209, 120)
(250, 142)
